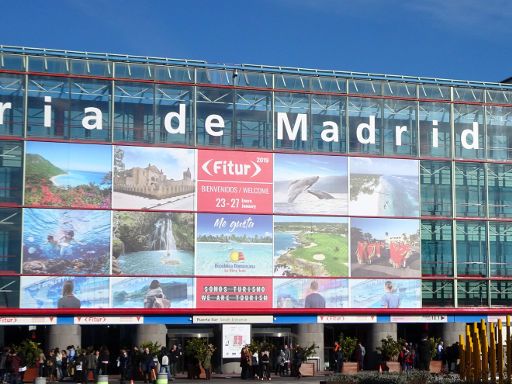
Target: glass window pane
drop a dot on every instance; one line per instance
(10, 240)
(168, 99)
(134, 112)
(435, 129)
(400, 127)
(365, 87)
(177, 74)
(468, 94)
(48, 64)
(499, 132)
(292, 104)
(471, 248)
(500, 240)
(472, 293)
(436, 190)
(501, 293)
(133, 71)
(215, 107)
(397, 89)
(436, 248)
(434, 92)
(15, 62)
(215, 76)
(469, 137)
(10, 297)
(499, 179)
(366, 113)
(253, 119)
(254, 79)
(470, 199)
(11, 117)
(67, 102)
(299, 83)
(327, 84)
(437, 293)
(11, 172)
(331, 111)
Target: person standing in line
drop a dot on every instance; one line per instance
(424, 354)
(92, 364)
(174, 357)
(164, 362)
(265, 365)
(287, 357)
(103, 360)
(360, 354)
(125, 366)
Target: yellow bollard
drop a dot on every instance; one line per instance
(462, 360)
(509, 352)
(492, 347)
(499, 347)
(485, 354)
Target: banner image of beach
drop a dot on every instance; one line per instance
(64, 292)
(154, 178)
(234, 245)
(385, 247)
(310, 293)
(382, 293)
(62, 241)
(146, 292)
(384, 187)
(153, 243)
(68, 175)
(310, 246)
(309, 184)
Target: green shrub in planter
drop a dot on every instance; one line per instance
(414, 377)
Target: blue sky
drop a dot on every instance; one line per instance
(379, 227)
(459, 39)
(74, 157)
(290, 167)
(172, 161)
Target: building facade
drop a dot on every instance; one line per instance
(179, 192)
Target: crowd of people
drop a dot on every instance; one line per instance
(259, 364)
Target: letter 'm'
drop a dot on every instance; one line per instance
(300, 124)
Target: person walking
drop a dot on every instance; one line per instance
(91, 364)
(125, 366)
(360, 354)
(164, 362)
(103, 360)
(174, 357)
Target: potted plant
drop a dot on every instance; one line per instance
(196, 349)
(29, 350)
(436, 366)
(306, 368)
(389, 351)
(348, 346)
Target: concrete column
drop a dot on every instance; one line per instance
(151, 332)
(60, 336)
(377, 333)
(451, 332)
(308, 334)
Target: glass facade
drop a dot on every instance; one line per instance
(458, 132)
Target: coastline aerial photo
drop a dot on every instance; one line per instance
(69, 175)
(307, 184)
(154, 178)
(153, 243)
(310, 246)
(384, 187)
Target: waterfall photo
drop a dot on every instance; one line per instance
(307, 184)
(153, 243)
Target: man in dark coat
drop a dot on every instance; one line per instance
(424, 354)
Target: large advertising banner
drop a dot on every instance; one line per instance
(310, 246)
(65, 241)
(234, 245)
(382, 293)
(68, 175)
(233, 293)
(385, 247)
(154, 178)
(234, 338)
(231, 181)
(310, 293)
(148, 292)
(310, 184)
(384, 187)
(64, 292)
(153, 243)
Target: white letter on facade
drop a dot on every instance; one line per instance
(435, 134)
(330, 134)
(47, 112)
(474, 136)
(398, 134)
(181, 120)
(371, 132)
(3, 107)
(94, 121)
(300, 123)
(210, 123)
